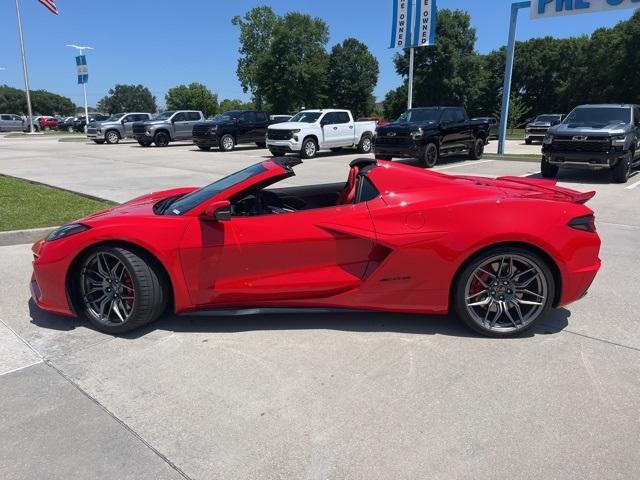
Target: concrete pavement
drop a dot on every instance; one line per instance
(361, 396)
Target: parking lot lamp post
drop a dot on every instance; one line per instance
(508, 70)
(410, 96)
(24, 69)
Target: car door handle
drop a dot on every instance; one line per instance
(351, 127)
(335, 128)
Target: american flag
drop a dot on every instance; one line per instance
(50, 5)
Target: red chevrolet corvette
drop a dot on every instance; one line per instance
(498, 252)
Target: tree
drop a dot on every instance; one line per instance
(194, 96)
(292, 74)
(352, 76)
(14, 100)
(235, 104)
(518, 112)
(128, 98)
(395, 102)
(256, 33)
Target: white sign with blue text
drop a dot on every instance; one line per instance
(414, 23)
(559, 8)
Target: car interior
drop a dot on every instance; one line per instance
(264, 201)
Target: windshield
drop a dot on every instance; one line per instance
(548, 118)
(598, 115)
(193, 199)
(164, 115)
(227, 116)
(306, 117)
(420, 115)
(115, 117)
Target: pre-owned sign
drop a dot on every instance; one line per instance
(557, 8)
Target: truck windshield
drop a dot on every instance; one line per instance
(548, 118)
(591, 115)
(193, 199)
(164, 115)
(226, 116)
(115, 117)
(420, 115)
(306, 117)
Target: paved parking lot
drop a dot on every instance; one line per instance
(358, 396)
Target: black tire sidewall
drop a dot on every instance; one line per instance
(161, 139)
(108, 133)
(222, 147)
(424, 161)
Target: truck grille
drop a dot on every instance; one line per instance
(590, 144)
(92, 130)
(201, 130)
(392, 141)
(279, 134)
(139, 128)
(541, 130)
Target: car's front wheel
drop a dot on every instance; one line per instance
(504, 291)
(309, 148)
(227, 143)
(161, 139)
(430, 156)
(112, 137)
(365, 145)
(120, 289)
(547, 169)
(621, 172)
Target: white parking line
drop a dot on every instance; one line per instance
(633, 185)
(465, 164)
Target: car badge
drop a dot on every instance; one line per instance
(391, 134)
(579, 138)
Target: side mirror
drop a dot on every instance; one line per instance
(219, 211)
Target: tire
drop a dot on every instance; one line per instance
(227, 143)
(204, 148)
(506, 303)
(336, 149)
(365, 145)
(309, 148)
(112, 137)
(477, 150)
(133, 282)
(621, 172)
(548, 170)
(99, 142)
(261, 145)
(430, 156)
(161, 139)
(528, 141)
(144, 143)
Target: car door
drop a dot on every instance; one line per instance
(330, 130)
(127, 125)
(449, 136)
(345, 137)
(181, 126)
(246, 127)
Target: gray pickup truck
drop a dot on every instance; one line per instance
(116, 127)
(171, 126)
(594, 137)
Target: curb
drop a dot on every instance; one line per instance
(18, 237)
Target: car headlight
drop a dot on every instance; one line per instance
(214, 129)
(417, 133)
(548, 138)
(67, 231)
(618, 140)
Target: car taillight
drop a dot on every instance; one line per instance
(586, 223)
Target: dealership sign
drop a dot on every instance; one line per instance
(414, 23)
(559, 8)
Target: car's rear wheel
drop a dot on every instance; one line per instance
(477, 150)
(161, 139)
(504, 291)
(621, 172)
(112, 137)
(120, 289)
(430, 156)
(365, 145)
(227, 143)
(548, 170)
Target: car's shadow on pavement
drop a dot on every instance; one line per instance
(233, 321)
(587, 177)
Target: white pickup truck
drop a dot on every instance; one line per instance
(312, 130)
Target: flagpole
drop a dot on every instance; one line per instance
(24, 69)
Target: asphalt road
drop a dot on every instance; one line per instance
(310, 396)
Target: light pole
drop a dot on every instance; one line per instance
(81, 50)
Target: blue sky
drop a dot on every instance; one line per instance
(162, 43)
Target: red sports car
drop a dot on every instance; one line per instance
(498, 252)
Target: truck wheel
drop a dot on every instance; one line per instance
(261, 144)
(477, 150)
(112, 137)
(309, 148)
(430, 156)
(622, 170)
(161, 139)
(99, 142)
(548, 170)
(144, 143)
(365, 145)
(227, 143)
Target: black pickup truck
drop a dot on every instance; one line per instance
(228, 129)
(431, 132)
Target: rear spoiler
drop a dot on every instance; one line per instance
(551, 187)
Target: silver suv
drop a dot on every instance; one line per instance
(167, 127)
(116, 127)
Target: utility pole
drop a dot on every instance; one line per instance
(24, 69)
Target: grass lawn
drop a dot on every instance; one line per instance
(516, 134)
(30, 205)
